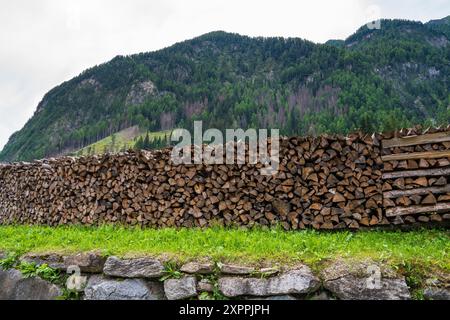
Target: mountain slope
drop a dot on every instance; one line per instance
(375, 80)
(124, 140)
(442, 25)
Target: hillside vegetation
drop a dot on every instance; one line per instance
(375, 80)
(130, 138)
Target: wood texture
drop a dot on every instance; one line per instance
(417, 155)
(421, 191)
(417, 140)
(399, 211)
(417, 173)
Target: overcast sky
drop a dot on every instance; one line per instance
(46, 42)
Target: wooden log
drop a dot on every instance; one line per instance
(417, 155)
(417, 140)
(417, 173)
(430, 199)
(395, 212)
(421, 192)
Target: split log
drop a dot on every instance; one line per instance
(417, 155)
(440, 207)
(417, 173)
(421, 192)
(416, 140)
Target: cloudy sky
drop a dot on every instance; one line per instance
(45, 42)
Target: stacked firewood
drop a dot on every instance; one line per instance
(330, 182)
(327, 182)
(337, 181)
(416, 175)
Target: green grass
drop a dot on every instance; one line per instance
(425, 248)
(125, 139)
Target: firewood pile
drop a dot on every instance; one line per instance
(415, 177)
(327, 183)
(335, 182)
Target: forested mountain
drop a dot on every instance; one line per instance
(374, 80)
(442, 25)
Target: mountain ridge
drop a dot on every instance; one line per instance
(373, 80)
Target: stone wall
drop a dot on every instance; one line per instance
(91, 276)
(327, 182)
(113, 278)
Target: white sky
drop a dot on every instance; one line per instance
(46, 42)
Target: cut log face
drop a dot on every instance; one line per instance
(429, 199)
(339, 198)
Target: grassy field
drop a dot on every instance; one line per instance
(124, 139)
(428, 249)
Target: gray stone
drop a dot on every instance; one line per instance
(236, 270)
(16, 287)
(90, 262)
(205, 285)
(8, 282)
(54, 261)
(100, 288)
(299, 281)
(352, 281)
(133, 268)
(355, 288)
(436, 293)
(178, 289)
(198, 268)
(235, 286)
(3, 255)
(340, 268)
